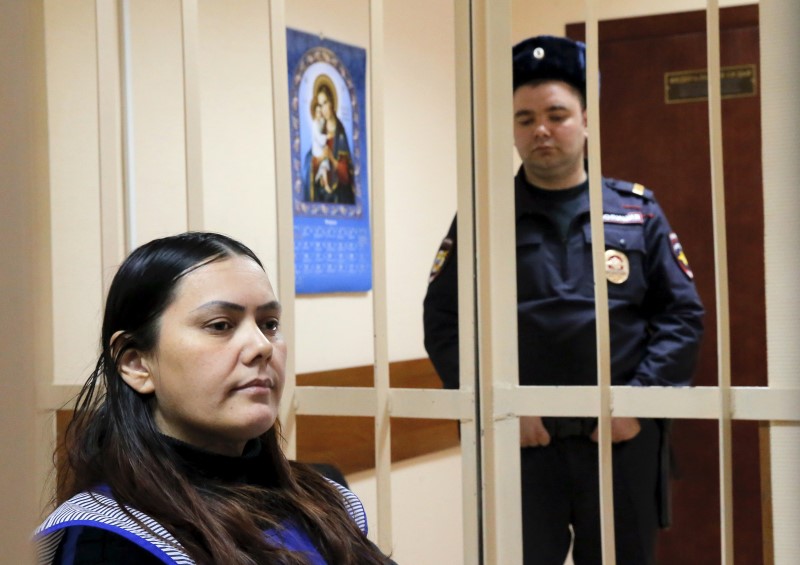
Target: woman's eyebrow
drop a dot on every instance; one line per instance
(221, 305)
(273, 305)
(225, 305)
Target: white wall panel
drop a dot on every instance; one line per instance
(420, 147)
(74, 187)
(237, 125)
(155, 103)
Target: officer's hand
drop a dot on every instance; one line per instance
(532, 432)
(622, 429)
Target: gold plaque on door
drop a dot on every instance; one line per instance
(692, 86)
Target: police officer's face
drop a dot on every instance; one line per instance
(550, 133)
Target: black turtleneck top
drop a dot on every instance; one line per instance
(96, 546)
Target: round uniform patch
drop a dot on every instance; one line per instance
(617, 266)
(440, 259)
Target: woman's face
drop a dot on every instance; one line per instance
(324, 103)
(218, 368)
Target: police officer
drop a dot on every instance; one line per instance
(655, 318)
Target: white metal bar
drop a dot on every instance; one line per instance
(283, 183)
(547, 401)
(109, 109)
(192, 119)
(383, 443)
(470, 452)
(700, 403)
(335, 401)
(748, 403)
(471, 497)
(432, 404)
(128, 145)
(753, 403)
(605, 467)
(496, 260)
(721, 276)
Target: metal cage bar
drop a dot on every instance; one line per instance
(383, 429)
(195, 213)
(721, 278)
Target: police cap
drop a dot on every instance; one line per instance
(549, 57)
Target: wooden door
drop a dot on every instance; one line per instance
(664, 144)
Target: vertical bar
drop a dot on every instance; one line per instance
(605, 467)
(383, 445)
(283, 183)
(470, 447)
(128, 170)
(496, 256)
(109, 110)
(765, 471)
(721, 273)
(192, 124)
(780, 115)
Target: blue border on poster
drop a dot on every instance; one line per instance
(332, 240)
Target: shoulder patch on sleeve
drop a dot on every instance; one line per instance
(680, 256)
(441, 258)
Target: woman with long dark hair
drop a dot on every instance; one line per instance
(173, 453)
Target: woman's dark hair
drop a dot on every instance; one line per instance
(113, 439)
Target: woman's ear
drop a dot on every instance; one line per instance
(132, 366)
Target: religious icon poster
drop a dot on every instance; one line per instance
(330, 194)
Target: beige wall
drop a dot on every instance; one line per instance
(22, 178)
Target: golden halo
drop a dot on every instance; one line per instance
(321, 80)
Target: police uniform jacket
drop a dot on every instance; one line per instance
(655, 312)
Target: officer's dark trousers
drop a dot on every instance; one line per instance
(560, 488)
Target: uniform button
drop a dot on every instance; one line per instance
(622, 241)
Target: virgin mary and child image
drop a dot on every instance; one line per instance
(328, 165)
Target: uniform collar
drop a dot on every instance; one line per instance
(528, 197)
(525, 203)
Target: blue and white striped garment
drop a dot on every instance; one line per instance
(97, 510)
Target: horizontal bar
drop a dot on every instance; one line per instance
(759, 403)
(666, 402)
(749, 403)
(547, 401)
(335, 401)
(434, 404)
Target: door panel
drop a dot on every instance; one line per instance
(665, 146)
